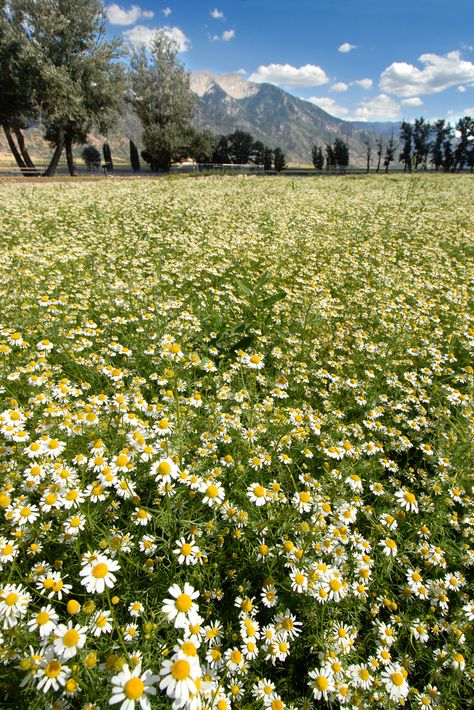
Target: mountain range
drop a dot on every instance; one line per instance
(227, 102)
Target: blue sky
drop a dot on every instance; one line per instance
(357, 59)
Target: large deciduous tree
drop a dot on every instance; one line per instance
(74, 82)
(163, 101)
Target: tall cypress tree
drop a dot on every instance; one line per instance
(134, 157)
(406, 133)
(107, 156)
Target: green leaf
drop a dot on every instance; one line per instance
(271, 300)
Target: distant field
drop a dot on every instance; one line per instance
(236, 442)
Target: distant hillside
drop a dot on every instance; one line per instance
(227, 102)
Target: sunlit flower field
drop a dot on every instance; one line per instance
(236, 443)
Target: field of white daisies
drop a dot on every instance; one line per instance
(236, 444)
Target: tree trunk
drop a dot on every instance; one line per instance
(24, 152)
(51, 169)
(16, 153)
(69, 156)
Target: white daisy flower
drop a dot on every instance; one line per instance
(179, 678)
(181, 608)
(130, 687)
(44, 621)
(14, 602)
(101, 623)
(97, 573)
(52, 673)
(68, 640)
(394, 679)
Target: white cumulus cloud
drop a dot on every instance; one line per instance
(166, 11)
(144, 35)
(226, 36)
(380, 108)
(438, 73)
(346, 47)
(339, 86)
(117, 15)
(415, 101)
(328, 104)
(365, 83)
(217, 14)
(287, 75)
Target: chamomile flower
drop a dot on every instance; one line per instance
(257, 494)
(187, 551)
(44, 621)
(389, 547)
(97, 573)
(68, 640)
(407, 501)
(180, 678)
(214, 493)
(393, 678)
(132, 687)
(14, 601)
(181, 609)
(322, 682)
(101, 623)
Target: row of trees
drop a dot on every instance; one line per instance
(421, 143)
(335, 156)
(436, 143)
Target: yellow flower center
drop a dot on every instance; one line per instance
(410, 498)
(397, 679)
(212, 491)
(53, 669)
(25, 512)
(101, 621)
(134, 688)
(42, 618)
(236, 656)
(335, 585)
(181, 669)
(259, 491)
(364, 674)
(100, 570)
(164, 468)
(163, 424)
(299, 578)
(184, 603)
(391, 543)
(71, 638)
(189, 649)
(305, 497)
(255, 359)
(322, 682)
(186, 549)
(121, 460)
(11, 599)
(7, 550)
